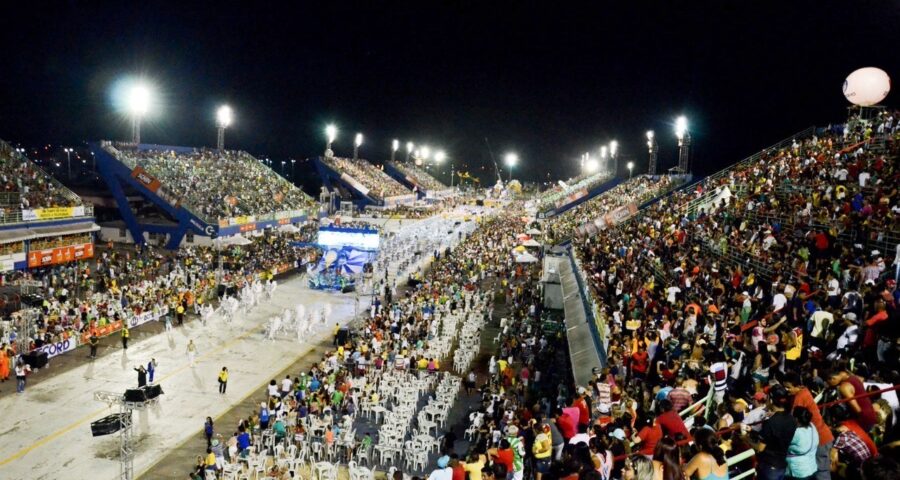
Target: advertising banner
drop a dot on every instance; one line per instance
(148, 181)
(59, 348)
(147, 317)
(103, 331)
(60, 255)
(54, 213)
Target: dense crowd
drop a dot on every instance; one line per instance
(379, 184)
(421, 177)
(26, 186)
(683, 316)
(218, 184)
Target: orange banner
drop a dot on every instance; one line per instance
(59, 256)
(100, 332)
(148, 181)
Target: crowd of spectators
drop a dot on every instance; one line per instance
(802, 304)
(379, 184)
(421, 177)
(23, 185)
(219, 184)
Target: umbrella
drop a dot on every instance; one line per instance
(522, 237)
(288, 228)
(533, 231)
(520, 248)
(531, 243)
(526, 258)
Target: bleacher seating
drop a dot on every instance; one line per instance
(420, 177)
(556, 196)
(379, 184)
(218, 185)
(25, 186)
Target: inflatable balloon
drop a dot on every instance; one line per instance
(867, 86)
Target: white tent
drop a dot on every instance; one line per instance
(236, 240)
(531, 243)
(533, 231)
(288, 228)
(526, 258)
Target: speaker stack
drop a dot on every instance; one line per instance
(152, 391)
(107, 425)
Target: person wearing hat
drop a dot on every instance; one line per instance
(443, 470)
(517, 445)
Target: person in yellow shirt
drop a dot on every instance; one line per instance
(542, 448)
(223, 380)
(473, 465)
(422, 364)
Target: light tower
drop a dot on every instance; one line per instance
(330, 136)
(138, 104)
(409, 150)
(630, 166)
(604, 159)
(223, 121)
(356, 143)
(68, 161)
(614, 155)
(653, 148)
(395, 145)
(684, 144)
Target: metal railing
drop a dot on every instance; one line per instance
(806, 132)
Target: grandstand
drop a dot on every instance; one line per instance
(567, 195)
(207, 192)
(42, 223)
(417, 178)
(369, 184)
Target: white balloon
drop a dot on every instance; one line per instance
(867, 86)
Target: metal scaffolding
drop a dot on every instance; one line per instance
(126, 449)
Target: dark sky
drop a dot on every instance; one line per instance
(548, 80)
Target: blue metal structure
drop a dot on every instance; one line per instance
(330, 177)
(116, 174)
(591, 194)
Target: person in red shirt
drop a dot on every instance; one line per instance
(584, 415)
(503, 455)
(803, 398)
(459, 473)
(671, 423)
(849, 386)
(647, 438)
(640, 361)
(565, 424)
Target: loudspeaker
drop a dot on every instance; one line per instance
(36, 359)
(107, 425)
(135, 395)
(348, 288)
(153, 391)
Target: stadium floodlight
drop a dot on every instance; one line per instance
(680, 127)
(649, 134)
(330, 135)
(357, 141)
(613, 148)
(684, 143)
(439, 156)
(224, 116)
(137, 103)
(592, 165)
(511, 159)
(409, 150)
(630, 166)
(603, 152)
(425, 151)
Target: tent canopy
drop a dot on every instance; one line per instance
(531, 243)
(533, 231)
(526, 258)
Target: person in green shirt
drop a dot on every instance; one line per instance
(337, 398)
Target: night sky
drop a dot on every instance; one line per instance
(549, 80)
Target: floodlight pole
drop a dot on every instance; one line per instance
(653, 148)
(684, 148)
(220, 138)
(136, 129)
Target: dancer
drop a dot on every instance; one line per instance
(191, 352)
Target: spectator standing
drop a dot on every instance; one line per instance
(223, 380)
